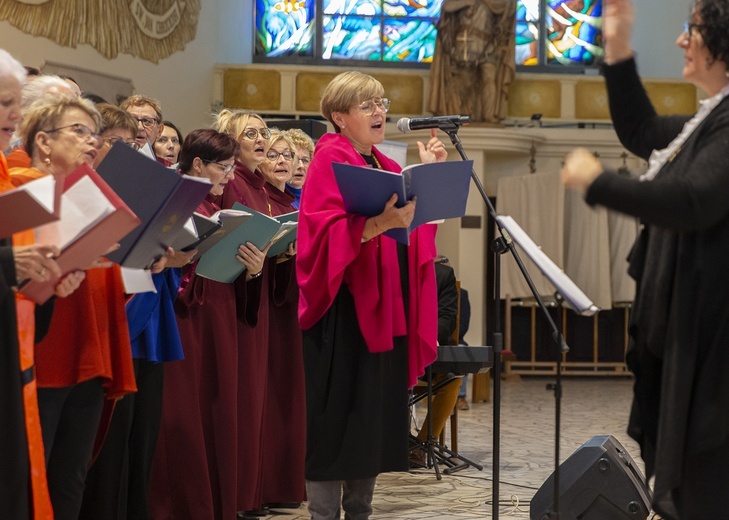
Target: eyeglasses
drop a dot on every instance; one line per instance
(253, 133)
(304, 159)
(368, 107)
(82, 132)
(114, 139)
(147, 122)
(273, 155)
(227, 168)
(690, 29)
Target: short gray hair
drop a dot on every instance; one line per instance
(9, 66)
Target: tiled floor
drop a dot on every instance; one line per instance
(589, 407)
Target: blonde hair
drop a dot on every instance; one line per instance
(114, 117)
(234, 121)
(345, 91)
(139, 101)
(45, 114)
(276, 136)
(301, 139)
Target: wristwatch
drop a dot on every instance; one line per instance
(256, 275)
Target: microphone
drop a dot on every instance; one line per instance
(406, 124)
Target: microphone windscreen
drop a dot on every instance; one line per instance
(403, 125)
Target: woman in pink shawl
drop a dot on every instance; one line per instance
(368, 310)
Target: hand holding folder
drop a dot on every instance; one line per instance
(202, 232)
(441, 189)
(92, 219)
(220, 262)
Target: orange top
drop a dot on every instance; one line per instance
(25, 311)
(88, 335)
(18, 158)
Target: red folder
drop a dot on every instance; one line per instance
(80, 253)
(20, 210)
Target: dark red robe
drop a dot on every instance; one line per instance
(284, 419)
(194, 473)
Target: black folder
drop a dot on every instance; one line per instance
(161, 198)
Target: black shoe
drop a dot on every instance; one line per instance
(282, 505)
(253, 514)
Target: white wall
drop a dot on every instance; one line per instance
(181, 82)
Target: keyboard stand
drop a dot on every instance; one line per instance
(436, 453)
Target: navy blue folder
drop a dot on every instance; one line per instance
(441, 190)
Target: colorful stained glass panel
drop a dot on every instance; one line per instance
(574, 34)
(527, 32)
(351, 37)
(284, 28)
(409, 40)
(412, 8)
(352, 7)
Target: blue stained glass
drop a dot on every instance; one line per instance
(284, 27)
(527, 32)
(413, 8)
(409, 40)
(351, 37)
(352, 7)
(574, 37)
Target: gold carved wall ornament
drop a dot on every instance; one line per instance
(148, 29)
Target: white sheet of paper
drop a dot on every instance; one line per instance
(137, 281)
(43, 190)
(83, 205)
(572, 294)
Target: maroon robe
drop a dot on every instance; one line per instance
(284, 420)
(195, 473)
(252, 304)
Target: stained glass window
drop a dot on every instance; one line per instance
(399, 31)
(558, 32)
(548, 32)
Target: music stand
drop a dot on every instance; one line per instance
(435, 452)
(567, 292)
(499, 246)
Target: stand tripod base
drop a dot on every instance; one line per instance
(437, 455)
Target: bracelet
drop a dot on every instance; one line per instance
(259, 273)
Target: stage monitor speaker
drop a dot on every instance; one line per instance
(599, 481)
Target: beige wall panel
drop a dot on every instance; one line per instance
(527, 97)
(672, 98)
(309, 88)
(252, 89)
(591, 100)
(404, 91)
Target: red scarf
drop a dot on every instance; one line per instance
(330, 251)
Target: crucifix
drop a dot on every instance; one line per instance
(463, 37)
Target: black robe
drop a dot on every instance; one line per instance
(680, 319)
(14, 464)
(356, 401)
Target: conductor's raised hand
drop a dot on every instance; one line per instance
(393, 217)
(434, 151)
(580, 169)
(617, 30)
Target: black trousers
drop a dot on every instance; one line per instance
(117, 487)
(69, 419)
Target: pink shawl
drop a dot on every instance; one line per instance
(330, 251)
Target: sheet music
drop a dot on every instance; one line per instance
(137, 280)
(83, 205)
(572, 294)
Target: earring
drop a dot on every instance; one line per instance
(47, 161)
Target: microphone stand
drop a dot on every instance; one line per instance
(499, 246)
